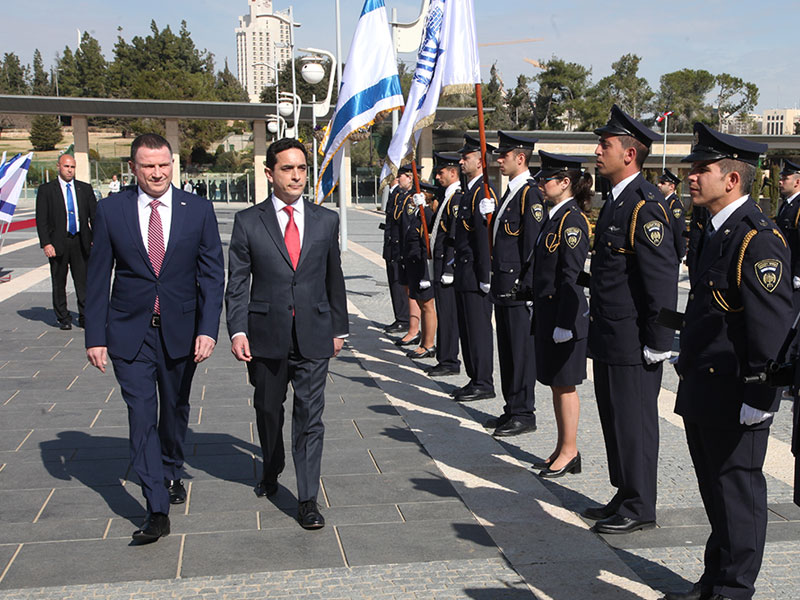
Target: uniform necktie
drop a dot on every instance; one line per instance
(72, 222)
(155, 244)
(291, 237)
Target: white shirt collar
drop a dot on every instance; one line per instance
(718, 220)
(145, 199)
(555, 209)
(792, 197)
(63, 183)
(452, 189)
(279, 205)
(392, 188)
(516, 184)
(617, 190)
(473, 180)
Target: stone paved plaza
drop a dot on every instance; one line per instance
(420, 501)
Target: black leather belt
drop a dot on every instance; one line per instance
(155, 321)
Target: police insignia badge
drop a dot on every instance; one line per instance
(537, 211)
(455, 210)
(768, 272)
(572, 236)
(410, 208)
(651, 196)
(654, 230)
(677, 212)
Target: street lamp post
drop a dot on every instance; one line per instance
(313, 72)
(291, 23)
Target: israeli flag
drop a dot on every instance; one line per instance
(12, 178)
(370, 85)
(448, 63)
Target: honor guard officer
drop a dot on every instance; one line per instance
(391, 254)
(515, 228)
(788, 217)
(668, 182)
(472, 277)
(738, 313)
(634, 274)
(447, 174)
(405, 180)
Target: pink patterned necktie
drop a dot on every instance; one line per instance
(291, 237)
(155, 244)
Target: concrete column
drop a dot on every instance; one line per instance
(174, 140)
(80, 133)
(425, 161)
(259, 156)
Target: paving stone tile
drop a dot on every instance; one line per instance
(41, 418)
(91, 502)
(215, 433)
(235, 467)
(354, 490)
(192, 523)
(11, 438)
(53, 530)
(403, 459)
(233, 447)
(21, 506)
(209, 495)
(443, 510)
(96, 438)
(347, 462)
(223, 414)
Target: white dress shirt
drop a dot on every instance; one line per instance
(617, 190)
(63, 185)
(792, 197)
(164, 211)
(283, 216)
(718, 220)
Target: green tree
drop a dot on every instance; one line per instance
(69, 81)
(494, 97)
(521, 103)
(228, 88)
(13, 75)
(684, 92)
(734, 96)
(45, 132)
(625, 88)
(91, 68)
(560, 97)
(41, 85)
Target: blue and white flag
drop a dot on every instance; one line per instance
(447, 63)
(12, 178)
(370, 85)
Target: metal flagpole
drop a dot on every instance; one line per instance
(482, 130)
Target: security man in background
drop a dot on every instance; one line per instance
(634, 270)
(472, 277)
(788, 218)
(391, 254)
(668, 182)
(737, 316)
(447, 174)
(515, 229)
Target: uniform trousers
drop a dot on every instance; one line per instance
(517, 357)
(728, 465)
(156, 390)
(627, 402)
(270, 378)
(447, 326)
(72, 259)
(397, 292)
(475, 332)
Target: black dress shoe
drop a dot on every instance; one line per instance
(472, 395)
(573, 466)
(619, 524)
(177, 493)
(309, 516)
(514, 427)
(82, 322)
(495, 422)
(597, 513)
(411, 342)
(426, 353)
(65, 325)
(462, 390)
(396, 327)
(696, 593)
(542, 464)
(442, 371)
(156, 526)
(266, 488)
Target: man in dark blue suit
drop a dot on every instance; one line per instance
(162, 317)
(287, 316)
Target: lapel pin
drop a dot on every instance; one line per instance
(183, 203)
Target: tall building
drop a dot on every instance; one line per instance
(261, 42)
(780, 121)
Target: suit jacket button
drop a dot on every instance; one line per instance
(680, 377)
(691, 296)
(591, 319)
(710, 284)
(710, 369)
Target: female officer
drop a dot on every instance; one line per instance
(560, 309)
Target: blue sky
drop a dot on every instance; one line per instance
(753, 41)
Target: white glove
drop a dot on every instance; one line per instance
(652, 357)
(561, 335)
(796, 282)
(419, 199)
(447, 278)
(485, 287)
(529, 304)
(424, 284)
(486, 206)
(752, 416)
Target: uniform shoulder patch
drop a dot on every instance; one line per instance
(537, 210)
(410, 208)
(572, 236)
(768, 273)
(654, 230)
(677, 211)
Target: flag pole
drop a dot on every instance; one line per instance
(421, 209)
(664, 155)
(482, 130)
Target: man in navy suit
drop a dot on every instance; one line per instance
(287, 316)
(162, 317)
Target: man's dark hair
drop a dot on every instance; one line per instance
(526, 152)
(153, 141)
(276, 148)
(746, 171)
(642, 151)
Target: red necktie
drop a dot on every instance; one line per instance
(291, 237)
(155, 244)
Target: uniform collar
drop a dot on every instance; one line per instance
(617, 190)
(718, 220)
(516, 184)
(557, 208)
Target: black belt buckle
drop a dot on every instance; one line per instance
(155, 321)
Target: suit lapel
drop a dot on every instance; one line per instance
(715, 246)
(130, 212)
(176, 227)
(270, 221)
(310, 229)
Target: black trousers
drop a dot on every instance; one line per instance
(397, 292)
(517, 358)
(73, 259)
(627, 402)
(728, 465)
(475, 332)
(447, 326)
(270, 378)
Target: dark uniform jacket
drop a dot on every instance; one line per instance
(634, 274)
(471, 241)
(697, 226)
(737, 316)
(443, 251)
(787, 219)
(412, 235)
(678, 224)
(51, 214)
(558, 260)
(518, 228)
(391, 231)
